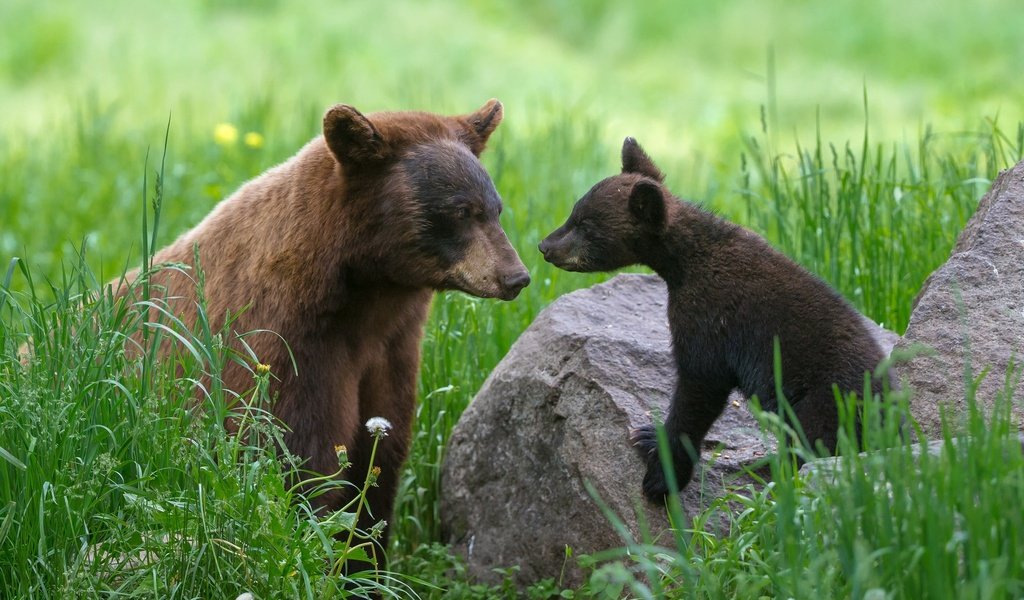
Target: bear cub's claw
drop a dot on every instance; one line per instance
(645, 440)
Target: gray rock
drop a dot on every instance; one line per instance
(973, 306)
(886, 339)
(557, 412)
(825, 471)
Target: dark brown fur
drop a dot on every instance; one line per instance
(730, 295)
(338, 252)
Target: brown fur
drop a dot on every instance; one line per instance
(730, 295)
(338, 251)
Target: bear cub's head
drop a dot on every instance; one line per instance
(611, 220)
(427, 208)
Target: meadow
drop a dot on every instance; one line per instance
(856, 136)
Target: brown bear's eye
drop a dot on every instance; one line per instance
(462, 212)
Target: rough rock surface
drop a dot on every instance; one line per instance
(971, 306)
(556, 413)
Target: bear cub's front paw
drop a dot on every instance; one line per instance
(655, 486)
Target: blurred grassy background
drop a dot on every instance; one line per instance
(86, 89)
(687, 78)
(683, 72)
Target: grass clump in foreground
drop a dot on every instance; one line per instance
(897, 522)
(119, 477)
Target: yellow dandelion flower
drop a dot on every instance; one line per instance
(376, 471)
(342, 453)
(225, 134)
(262, 369)
(253, 140)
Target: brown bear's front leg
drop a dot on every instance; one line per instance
(695, 407)
(320, 414)
(388, 391)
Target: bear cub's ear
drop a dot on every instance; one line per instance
(635, 160)
(351, 137)
(481, 124)
(647, 203)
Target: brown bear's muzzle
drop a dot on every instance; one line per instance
(490, 267)
(513, 283)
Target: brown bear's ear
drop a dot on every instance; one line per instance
(481, 124)
(647, 203)
(635, 160)
(351, 137)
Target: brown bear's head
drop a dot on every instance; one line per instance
(610, 220)
(427, 211)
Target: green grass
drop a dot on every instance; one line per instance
(113, 482)
(896, 523)
(872, 219)
(755, 109)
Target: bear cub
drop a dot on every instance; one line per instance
(730, 294)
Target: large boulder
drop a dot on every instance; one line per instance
(556, 413)
(972, 306)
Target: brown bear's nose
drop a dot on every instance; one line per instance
(515, 282)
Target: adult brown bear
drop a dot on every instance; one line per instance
(338, 252)
(730, 295)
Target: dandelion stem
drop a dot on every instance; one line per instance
(361, 500)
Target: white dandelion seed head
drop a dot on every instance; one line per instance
(378, 426)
